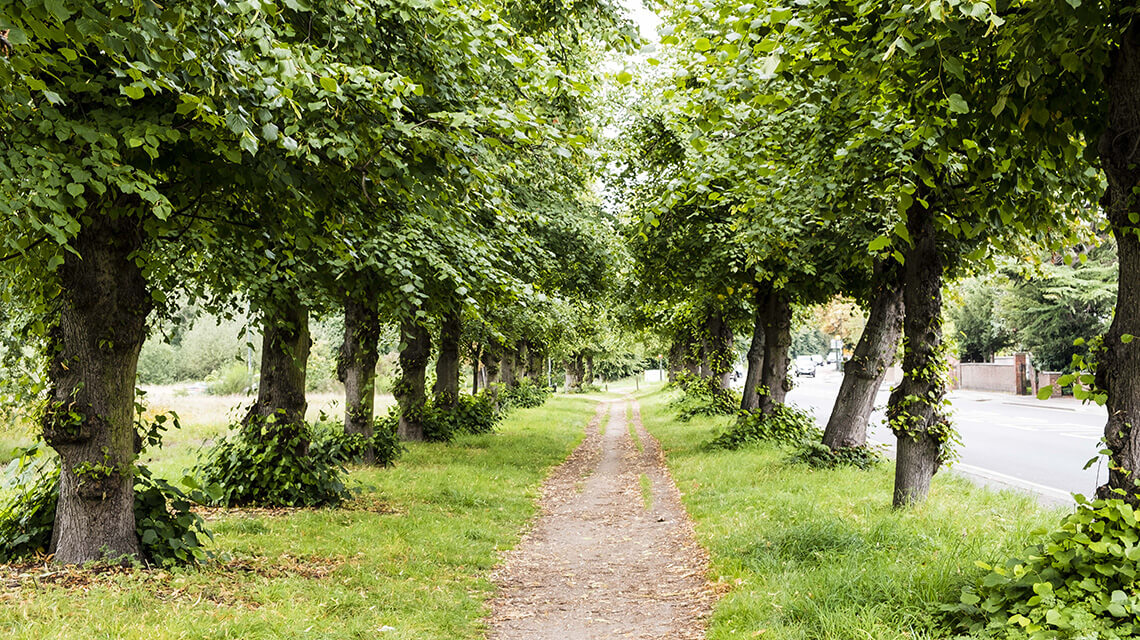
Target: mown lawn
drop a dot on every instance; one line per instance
(812, 554)
(413, 553)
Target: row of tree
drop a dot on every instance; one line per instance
(782, 155)
(394, 161)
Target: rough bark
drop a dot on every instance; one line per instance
(588, 374)
(103, 305)
(914, 408)
(864, 372)
(777, 342)
(508, 368)
(279, 412)
(750, 400)
(356, 368)
(409, 391)
(1118, 368)
(446, 389)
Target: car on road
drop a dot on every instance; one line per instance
(804, 366)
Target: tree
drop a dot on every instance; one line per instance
(1062, 306)
(979, 329)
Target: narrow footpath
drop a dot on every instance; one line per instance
(612, 554)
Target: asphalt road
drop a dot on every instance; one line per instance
(1008, 441)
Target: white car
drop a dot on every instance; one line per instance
(804, 366)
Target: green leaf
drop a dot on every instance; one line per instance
(1071, 62)
(878, 244)
(958, 104)
(133, 92)
(1045, 392)
(702, 44)
(1126, 338)
(58, 9)
(624, 77)
(328, 84)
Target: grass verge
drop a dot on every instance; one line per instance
(819, 554)
(413, 554)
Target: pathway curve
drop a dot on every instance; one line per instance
(612, 555)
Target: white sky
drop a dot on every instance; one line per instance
(646, 20)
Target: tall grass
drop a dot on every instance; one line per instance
(819, 554)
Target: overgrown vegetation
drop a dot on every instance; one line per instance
(265, 466)
(331, 444)
(527, 394)
(787, 425)
(1080, 581)
(702, 397)
(820, 456)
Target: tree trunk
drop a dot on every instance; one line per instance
(864, 372)
(704, 369)
(491, 357)
(103, 306)
(410, 394)
(446, 388)
(588, 375)
(476, 357)
(279, 412)
(356, 368)
(508, 368)
(1118, 367)
(777, 341)
(719, 350)
(750, 400)
(676, 358)
(571, 381)
(915, 406)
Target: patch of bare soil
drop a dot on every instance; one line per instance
(598, 563)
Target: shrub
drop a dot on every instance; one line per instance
(1081, 581)
(702, 397)
(331, 444)
(527, 394)
(820, 456)
(270, 471)
(230, 379)
(169, 532)
(27, 514)
(788, 425)
(472, 414)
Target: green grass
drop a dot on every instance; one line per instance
(646, 492)
(813, 555)
(418, 560)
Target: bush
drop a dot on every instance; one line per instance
(702, 397)
(786, 425)
(472, 414)
(331, 444)
(820, 456)
(526, 394)
(230, 379)
(269, 471)
(1082, 581)
(169, 532)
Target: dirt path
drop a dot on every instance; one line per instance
(613, 554)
